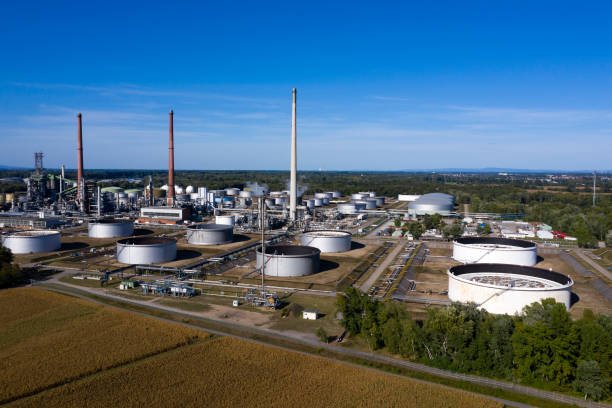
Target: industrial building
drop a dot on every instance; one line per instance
(506, 289)
(27, 242)
(327, 241)
(163, 215)
(210, 234)
(495, 250)
(289, 260)
(110, 228)
(432, 203)
(146, 250)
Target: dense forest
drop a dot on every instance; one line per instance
(565, 203)
(543, 348)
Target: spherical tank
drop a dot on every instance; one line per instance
(225, 220)
(26, 242)
(327, 241)
(289, 260)
(495, 250)
(110, 228)
(506, 289)
(210, 234)
(146, 250)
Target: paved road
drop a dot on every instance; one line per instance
(602, 287)
(594, 264)
(382, 266)
(335, 349)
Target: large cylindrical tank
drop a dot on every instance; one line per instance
(507, 289)
(323, 195)
(289, 260)
(359, 196)
(335, 194)
(225, 220)
(380, 201)
(318, 202)
(146, 250)
(232, 191)
(110, 228)
(495, 250)
(26, 242)
(347, 208)
(245, 194)
(360, 206)
(210, 234)
(327, 241)
(370, 203)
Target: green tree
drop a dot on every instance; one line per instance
(590, 380)
(416, 229)
(322, 335)
(545, 344)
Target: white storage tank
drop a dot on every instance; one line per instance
(210, 234)
(110, 228)
(146, 250)
(359, 196)
(289, 260)
(506, 289)
(495, 250)
(327, 240)
(245, 194)
(335, 194)
(380, 201)
(347, 208)
(232, 191)
(26, 242)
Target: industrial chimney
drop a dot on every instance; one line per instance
(293, 180)
(170, 198)
(80, 179)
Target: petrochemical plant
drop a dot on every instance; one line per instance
(257, 242)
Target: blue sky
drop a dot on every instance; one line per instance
(381, 85)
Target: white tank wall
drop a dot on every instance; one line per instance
(110, 230)
(327, 242)
(34, 242)
(289, 266)
(474, 253)
(347, 209)
(214, 234)
(146, 254)
(502, 300)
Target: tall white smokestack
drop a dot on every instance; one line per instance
(293, 182)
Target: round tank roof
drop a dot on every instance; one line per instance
(495, 242)
(146, 241)
(290, 250)
(510, 276)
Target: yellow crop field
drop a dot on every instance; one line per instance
(227, 372)
(48, 339)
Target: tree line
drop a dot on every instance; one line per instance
(543, 347)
